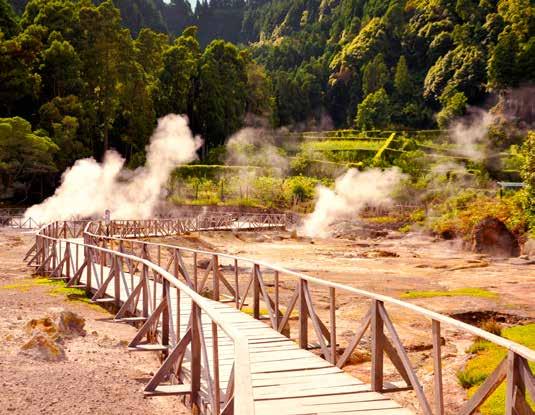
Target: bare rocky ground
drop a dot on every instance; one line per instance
(98, 375)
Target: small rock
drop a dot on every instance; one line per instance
(70, 324)
(42, 325)
(42, 347)
(529, 248)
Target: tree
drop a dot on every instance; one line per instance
(462, 69)
(402, 80)
(180, 66)
(528, 175)
(526, 61)
(19, 80)
(8, 19)
(260, 99)
(222, 92)
(60, 69)
(374, 75)
(149, 48)
(66, 123)
(374, 111)
(107, 54)
(502, 66)
(24, 155)
(453, 106)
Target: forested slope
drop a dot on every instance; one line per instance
(84, 76)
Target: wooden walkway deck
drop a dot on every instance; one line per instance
(285, 379)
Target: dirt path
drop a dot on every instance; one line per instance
(99, 375)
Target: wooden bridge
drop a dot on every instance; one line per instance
(187, 305)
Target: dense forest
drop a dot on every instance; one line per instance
(80, 76)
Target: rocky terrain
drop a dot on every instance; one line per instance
(65, 357)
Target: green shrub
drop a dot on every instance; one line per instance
(488, 356)
(298, 189)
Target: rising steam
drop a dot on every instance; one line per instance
(88, 188)
(470, 133)
(352, 192)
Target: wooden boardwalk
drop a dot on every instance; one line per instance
(286, 380)
(226, 362)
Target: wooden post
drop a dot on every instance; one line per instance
(277, 300)
(165, 314)
(256, 293)
(89, 267)
(144, 290)
(67, 261)
(437, 365)
(512, 383)
(195, 272)
(332, 310)
(377, 329)
(117, 279)
(303, 315)
(215, 270)
(215, 358)
(236, 284)
(195, 357)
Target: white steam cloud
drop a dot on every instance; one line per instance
(256, 147)
(470, 133)
(88, 188)
(353, 192)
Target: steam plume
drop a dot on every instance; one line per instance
(256, 147)
(88, 188)
(352, 192)
(470, 133)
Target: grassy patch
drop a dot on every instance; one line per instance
(57, 288)
(487, 357)
(459, 292)
(381, 220)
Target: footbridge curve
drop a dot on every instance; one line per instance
(187, 305)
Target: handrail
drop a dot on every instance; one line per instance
(514, 368)
(243, 395)
(508, 344)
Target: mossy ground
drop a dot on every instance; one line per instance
(58, 288)
(487, 357)
(460, 292)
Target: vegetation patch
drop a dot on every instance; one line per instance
(486, 359)
(459, 292)
(57, 288)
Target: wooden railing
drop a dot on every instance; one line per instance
(278, 294)
(160, 293)
(19, 222)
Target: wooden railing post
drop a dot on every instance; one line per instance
(89, 268)
(215, 360)
(437, 365)
(115, 262)
(277, 301)
(195, 357)
(236, 284)
(144, 289)
(332, 312)
(166, 295)
(514, 387)
(377, 332)
(256, 293)
(215, 271)
(67, 261)
(303, 315)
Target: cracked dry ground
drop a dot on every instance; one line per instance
(99, 375)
